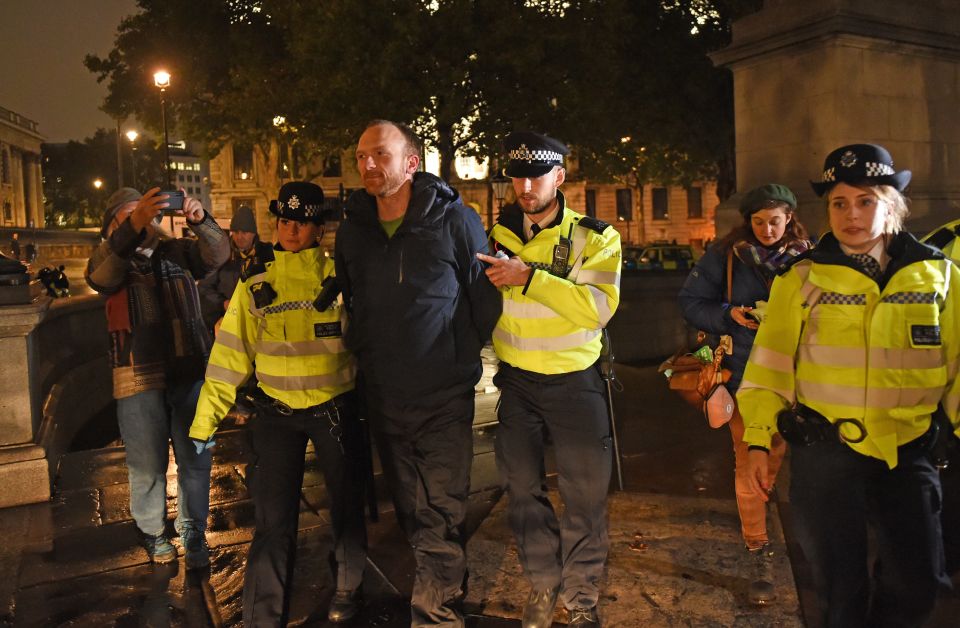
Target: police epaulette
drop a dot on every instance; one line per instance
(799, 258)
(590, 222)
(256, 264)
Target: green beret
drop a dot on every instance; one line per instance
(766, 195)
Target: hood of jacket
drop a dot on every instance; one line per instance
(429, 196)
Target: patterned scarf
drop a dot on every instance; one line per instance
(768, 260)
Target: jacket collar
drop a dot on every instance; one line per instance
(429, 197)
(903, 249)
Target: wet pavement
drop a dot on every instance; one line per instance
(676, 557)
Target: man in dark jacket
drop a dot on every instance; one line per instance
(159, 348)
(217, 287)
(421, 309)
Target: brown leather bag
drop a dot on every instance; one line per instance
(697, 381)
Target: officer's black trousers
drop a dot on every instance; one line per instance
(835, 494)
(426, 455)
(571, 551)
(275, 478)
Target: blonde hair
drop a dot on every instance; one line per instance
(897, 205)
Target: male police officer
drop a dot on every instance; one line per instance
(420, 311)
(560, 279)
(282, 319)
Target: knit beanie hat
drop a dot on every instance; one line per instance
(243, 220)
(117, 200)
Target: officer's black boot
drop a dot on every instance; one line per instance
(761, 579)
(538, 613)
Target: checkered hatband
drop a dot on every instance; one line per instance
(522, 153)
(875, 169)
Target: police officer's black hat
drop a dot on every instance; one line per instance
(858, 164)
(299, 200)
(532, 154)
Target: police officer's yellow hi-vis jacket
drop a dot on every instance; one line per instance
(836, 341)
(947, 239)
(552, 325)
(299, 353)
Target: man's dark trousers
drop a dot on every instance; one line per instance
(571, 551)
(275, 478)
(834, 494)
(426, 454)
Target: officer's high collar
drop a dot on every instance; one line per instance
(902, 247)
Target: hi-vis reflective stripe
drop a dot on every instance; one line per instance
(305, 382)
(579, 244)
(527, 309)
(783, 392)
(853, 357)
(225, 375)
(878, 398)
(597, 277)
(904, 397)
(554, 343)
(229, 340)
(324, 346)
(603, 307)
(773, 360)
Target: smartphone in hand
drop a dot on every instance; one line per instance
(175, 200)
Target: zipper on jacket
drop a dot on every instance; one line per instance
(401, 263)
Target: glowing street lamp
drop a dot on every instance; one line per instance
(98, 185)
(161, 79)
(132, 136)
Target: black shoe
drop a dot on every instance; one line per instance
(344, 606)
(761, 590)
(196, 550)
(538, 613)
(584, 618)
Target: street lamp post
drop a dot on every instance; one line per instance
(162, 80)
(98, 185)
(132, 136)
(500, 185)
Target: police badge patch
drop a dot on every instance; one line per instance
(327, 330)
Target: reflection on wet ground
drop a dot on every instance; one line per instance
(675, 555)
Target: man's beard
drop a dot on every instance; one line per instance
(386, 186)
(539, 207)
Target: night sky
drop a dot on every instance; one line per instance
(42, 76)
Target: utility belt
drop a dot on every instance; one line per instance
(802, 426)
(330, 410)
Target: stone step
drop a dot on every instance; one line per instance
(92, 496)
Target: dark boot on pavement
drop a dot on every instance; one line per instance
(761, 578)
(584, 618)
(195, 548)
(538, 613)
(344, 606)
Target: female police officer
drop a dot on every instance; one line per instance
(284, 325)
(860, 343)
